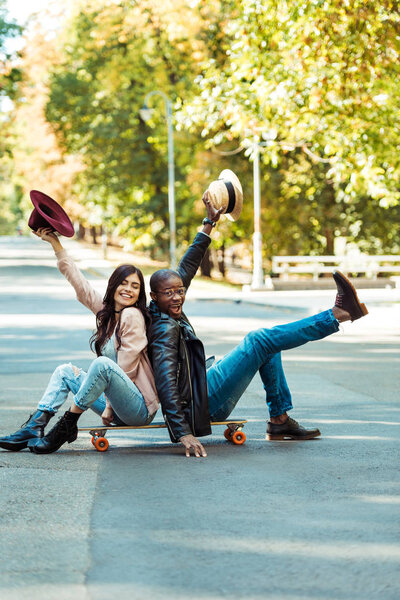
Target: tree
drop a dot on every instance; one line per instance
(9, 77)
(38, 162)
(113, 55)
(318, 83)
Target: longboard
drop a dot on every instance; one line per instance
(233, 432)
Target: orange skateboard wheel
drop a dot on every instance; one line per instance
(93, 440)
(238, 437)
(228, 434)
(101, 444)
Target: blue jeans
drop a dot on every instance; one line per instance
(104, 378)
(260, 351)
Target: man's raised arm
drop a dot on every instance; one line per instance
(193, 256)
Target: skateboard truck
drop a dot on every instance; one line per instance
(233, 433)
(99, 440)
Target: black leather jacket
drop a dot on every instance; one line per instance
(178, 359)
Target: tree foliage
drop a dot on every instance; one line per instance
(9, 74)
(9, 78)
(114, 54)
(315, 84)
(318, 83)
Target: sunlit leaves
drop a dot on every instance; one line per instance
(318, 72)
(315, 82)
(324, 75)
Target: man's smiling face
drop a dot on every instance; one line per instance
(170, 296)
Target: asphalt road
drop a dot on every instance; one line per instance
(285, 520)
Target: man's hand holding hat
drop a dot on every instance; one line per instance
(226, 193)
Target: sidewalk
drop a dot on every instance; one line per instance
(91, 259)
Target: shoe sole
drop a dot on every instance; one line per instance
(46, 451)
(14, 447)
(281, 437)
(362, 308)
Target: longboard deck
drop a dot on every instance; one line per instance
(233, 432)
(159, 425)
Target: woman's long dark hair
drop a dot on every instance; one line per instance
(105, 318)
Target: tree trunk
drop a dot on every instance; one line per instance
(221, 260)
(330, 239)
(93, 233)
(81, 232)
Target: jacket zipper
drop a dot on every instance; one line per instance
(191, 390)
(190, 385)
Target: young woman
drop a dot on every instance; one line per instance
(119, 384)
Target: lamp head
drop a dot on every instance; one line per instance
(146, 113)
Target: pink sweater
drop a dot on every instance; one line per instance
(132, 355)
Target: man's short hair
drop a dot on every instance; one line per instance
(160, 277)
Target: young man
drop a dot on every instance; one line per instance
(192, 396)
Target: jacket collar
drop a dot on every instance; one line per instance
(156, 312)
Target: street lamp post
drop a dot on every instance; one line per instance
(145, 113)
(258, 281)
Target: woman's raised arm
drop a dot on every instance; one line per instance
(85, 293)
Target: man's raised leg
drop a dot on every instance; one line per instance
(260, 351)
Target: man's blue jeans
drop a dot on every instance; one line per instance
(104, 376)
(260, 351)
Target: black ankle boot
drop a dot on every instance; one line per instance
(65, 430)
(33, 429)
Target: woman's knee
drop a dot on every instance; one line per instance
(66, 370)
(102, 363)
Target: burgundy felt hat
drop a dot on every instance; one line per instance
(47, 213)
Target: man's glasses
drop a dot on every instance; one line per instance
(169, 293)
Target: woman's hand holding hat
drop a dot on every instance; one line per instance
(47, 235)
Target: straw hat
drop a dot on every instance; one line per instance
(48, 213)
(227, 191)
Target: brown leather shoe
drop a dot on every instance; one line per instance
(347, 298)
(290, 430)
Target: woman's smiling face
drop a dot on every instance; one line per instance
(127, 292)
